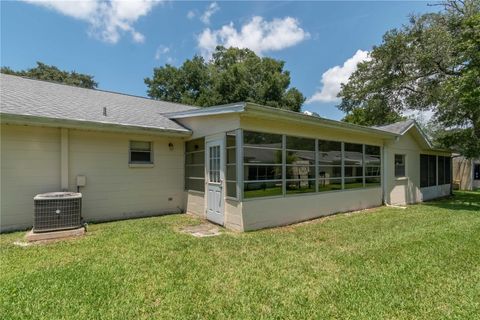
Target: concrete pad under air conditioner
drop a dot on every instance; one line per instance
(54, 235)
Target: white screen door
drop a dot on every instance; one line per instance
(215, 177)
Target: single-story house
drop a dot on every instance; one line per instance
(466, 173)
(244, 166)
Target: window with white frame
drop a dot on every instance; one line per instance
(141, 152)
(399, 165)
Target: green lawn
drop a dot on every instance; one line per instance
(419, 263)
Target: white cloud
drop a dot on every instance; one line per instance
(209, 12)
(311, 113)
(334, 77)
(161, 50)
(108, 20)
(191, 14)
(257, 35)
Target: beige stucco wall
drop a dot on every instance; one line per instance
(234, 214)
(30, 164)
(263, 213)
(433, 192)
(406, 190)
(195, 203)
(114, 189)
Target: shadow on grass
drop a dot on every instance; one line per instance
(461, 200)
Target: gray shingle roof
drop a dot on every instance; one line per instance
(397, 127)
(28, 97)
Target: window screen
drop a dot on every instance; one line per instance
(423, 171)
(263, 159)
(329, 165)
(275, 163)
(444, 167)
(195, 165)
(432, 167)
(432, 170)
(448, 170)
(373, 166)
(300, 165)
(353, 165)
(231, 174)
(399, 165)
(441, 170)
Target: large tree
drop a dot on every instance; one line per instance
(433, 63)
(51, 73)
(232, 75)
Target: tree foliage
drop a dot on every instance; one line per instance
(433, 63)
(232, 75)
(51, 73)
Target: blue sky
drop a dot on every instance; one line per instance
(120, 44)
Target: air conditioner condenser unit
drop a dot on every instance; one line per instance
(57, 211)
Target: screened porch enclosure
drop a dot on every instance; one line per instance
(268, 165)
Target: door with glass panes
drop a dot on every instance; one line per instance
(215, 176)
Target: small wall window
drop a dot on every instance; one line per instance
(141, 152)
(399, 165)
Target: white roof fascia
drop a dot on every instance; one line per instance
(208, 111)
(89, 125)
